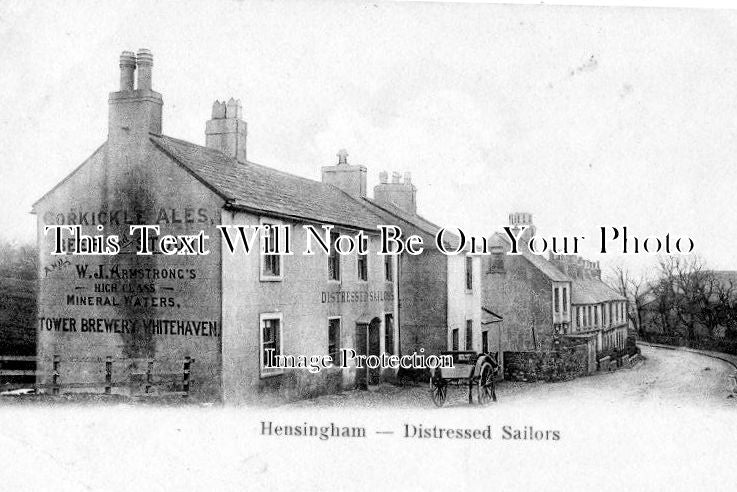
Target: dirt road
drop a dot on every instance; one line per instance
(670, 377)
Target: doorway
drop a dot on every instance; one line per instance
(368, 342)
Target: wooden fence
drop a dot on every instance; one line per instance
(140, 377)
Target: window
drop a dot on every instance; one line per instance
(596, 315)
(271, 264)
(334, 340)
(578, 317)
(556, 299)
(389, 334)
(565, 300)
(496, 265)
(469, 334)
(469, 273)
(362, 267)
(588, 315)
(388, 268)
(611, 318)
(333, 259)
(270, 341)
(485, 341)
(454, 339)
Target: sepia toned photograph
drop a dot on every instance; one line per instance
(326, 245)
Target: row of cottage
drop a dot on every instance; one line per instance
(225, 311)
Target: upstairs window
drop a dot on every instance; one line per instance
(388, 268)
(271, 266)
(469, 273)
(565, 299)
(454, 339)
(334, 340)
(362, 267)
(333, 259)
(556, 299)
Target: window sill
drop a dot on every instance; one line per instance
(271, 279)
(266, 375)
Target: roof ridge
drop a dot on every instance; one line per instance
(291, 195)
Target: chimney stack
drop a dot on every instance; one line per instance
(401, 194)
(134, 112)
(519, 219)
(348, 177)
(226, 131)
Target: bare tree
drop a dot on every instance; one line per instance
(635, 289)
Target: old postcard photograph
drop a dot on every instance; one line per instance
(292, 245)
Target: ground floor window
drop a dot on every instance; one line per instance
(485, 341)
(334, 340)
(271, 341)
(454, 339)
(469, 334)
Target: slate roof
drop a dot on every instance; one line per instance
(547, 268)
(593, 291)
(391, 212)
(259, 188)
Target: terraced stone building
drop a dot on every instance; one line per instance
(104, 319)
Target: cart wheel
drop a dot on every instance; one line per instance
(487, 389)
(438, 390)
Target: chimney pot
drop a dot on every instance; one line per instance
(396, 177)
(127, 68)
(233, 108)
(342, 157)
(218, 110)
(383, 177)
(145, 62)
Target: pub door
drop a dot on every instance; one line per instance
(374, 348)
(368, 343)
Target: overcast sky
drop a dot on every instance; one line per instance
(581, 116)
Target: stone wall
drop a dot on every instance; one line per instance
(566, 363)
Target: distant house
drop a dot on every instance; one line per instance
(596, 308)
(527, 291)
(543, 301)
